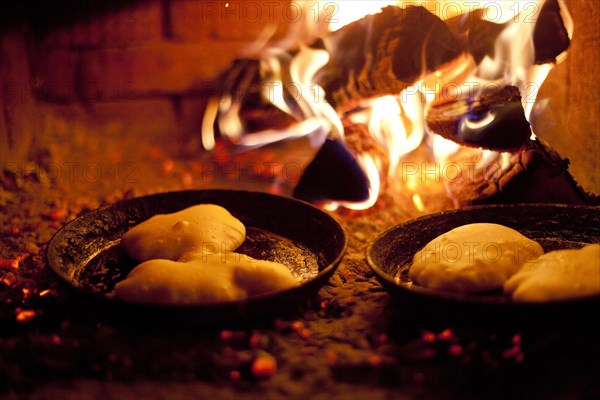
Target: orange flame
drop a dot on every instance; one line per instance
(396, 121)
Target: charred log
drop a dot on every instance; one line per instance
(534, 174)
(378, 55)
(476, 34)
(384, 53)
(495, 119)
(550, 37)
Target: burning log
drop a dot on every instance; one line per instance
(495, 120)
(550, 37)
(384, 53)
(378, 55)
(534, 174)
(478, 36)
(529, 170)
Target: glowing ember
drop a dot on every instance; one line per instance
(25, 315)
(264, 365)
(12, 263)
(8, 279)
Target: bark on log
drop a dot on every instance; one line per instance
(550, 37)
(476, 34)
(384, 53)
(534, 174)
(494, 119)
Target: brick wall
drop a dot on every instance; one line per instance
(20, 118)
(152, 48)
(143, 69)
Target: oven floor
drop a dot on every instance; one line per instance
(350, 341)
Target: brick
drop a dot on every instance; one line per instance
(190, 112)
(230, 20)
(21, 120)
(54, 74)
(116, 26)
(110, 137)
(5, 139)
(139, 124)
(167, 68)
(90, 128)
(190, 20)
(137, 118)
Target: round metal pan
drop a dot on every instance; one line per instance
(554, 226)
(86, 253)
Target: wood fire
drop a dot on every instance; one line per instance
(467, 78)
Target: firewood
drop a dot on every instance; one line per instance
(378, 55)
(494, 119)
(476, 34)
(534, 174)
(384, 53)
(550, 37)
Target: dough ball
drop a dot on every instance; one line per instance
(208, 279)
(472, 258)
(205, 228)
(560, 274)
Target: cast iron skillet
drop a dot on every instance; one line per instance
(86, 253)
(554, 226)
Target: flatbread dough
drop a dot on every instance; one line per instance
(472, 258)
(204, 228)
(560, 274)
(208, 279)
